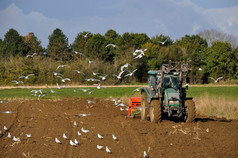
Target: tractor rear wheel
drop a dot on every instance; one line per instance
(190, 111)
(144, 106)
(155, 111)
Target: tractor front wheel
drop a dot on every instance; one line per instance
(155, 111)
(144, 106)
(190, 111)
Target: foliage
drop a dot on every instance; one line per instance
(33, 44)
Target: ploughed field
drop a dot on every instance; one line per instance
(46, 120)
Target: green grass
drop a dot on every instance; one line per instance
(18, 93)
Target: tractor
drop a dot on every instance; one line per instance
(165, 96)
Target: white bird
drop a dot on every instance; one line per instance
(139, 51)
(137, 90)
(89, 102)
(76, 142)
(57, 74)
(95, 73)
(84, 131)
(163, 41)
(79, 72)
(114, 137)
(103, 77)
(90, 61)
(28, 135)
(100, 136)
(3, 101)
(84, 90)
(122, 105)
(200, 69)
(9, 135)
(17, 82)
(130, 74)
(79, 134)
(98, 86)
(108, 150)
(75, 124)
(58, 86)
(78, 53)
(51, 90)
(31, 55)
(72, 143)
(27, 77)
(121, 109)
(113, 45)
(119, 75)
(64, 79)
(90, 92)
(5, 128)
(7, 112)
(99, 147)
(145, 154)
(219, 78)
(16, 139)
(83, 115)
(86, 35)
(57, 141)
(61, 66)
(123, 66)
(139, 56)
(64, 136)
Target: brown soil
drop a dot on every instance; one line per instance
(46, 120)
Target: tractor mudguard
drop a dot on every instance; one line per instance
(148, 92)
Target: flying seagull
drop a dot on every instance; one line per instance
(61, 66)
(113, 45)
(219, 78)
(90, 61)
(131, 73)
(86, 35)
(79, 72)
(27, 77)
(64, 79)
(78, 53)
(123, 66)
(17, 82)
(31, 55)
(118, 76)
(163, 41)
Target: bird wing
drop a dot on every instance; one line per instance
(212, 78)
(219, 78)
(60, 77)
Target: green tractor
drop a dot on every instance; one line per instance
(165, 96)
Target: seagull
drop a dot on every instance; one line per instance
(17, 82)
(108, 150)
(29, 55)
(27, 77)
(3, 101)
(58, 86)
(83, 115)
(57, 74)
(118, 76)
(84, 131)
(95, 73)
(75, 124)
(98, 86)
(113, 45)
(72, 143)
(200, 69)
(145, 154)
(121, 109)
(122, 105)
(84, 90)
(61, 66)
(123, 66)
(51, 90)
(99, 147)
(89, 102)
(16, 139)
(114, 137)
(139, 56)
(76, 142)
(99, 136)
(90, 61)
(137, 90)
(219, 78)
(28, 135)
(9, 135)
(163, 41)
(78, 53)
(79, 72)
(64, 79)
(130, 74)
(5, 128)
(139, 51)
(103, 77)
(57, 141)
(7, 112)
(90, 92)
(79, 134)
(86, 35)
(64, 136)
(36, 91)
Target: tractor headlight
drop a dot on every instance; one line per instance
(173, 102)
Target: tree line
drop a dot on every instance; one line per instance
(214, 59)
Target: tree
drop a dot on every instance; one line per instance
(58, 48)
(13, 44)
(33, 44)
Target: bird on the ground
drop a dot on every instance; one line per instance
(28, 135)
(163, 42)
(216, 80)
(108, 150)
(84, 131)
(121, 109)
(64, 136)
(113, 45)
(83, 115)
(114, 137)
(89, 102)
(75, 124)
(145, 154)
(64, 79)
(57, 141)
(9, 135)
(76, 142)
(72, 143)
(17, 82)
(99, 147)
(7, 112)
(79, 72)
(16, 139)
(79, 134)
(5, 128)
(61, 66)
(31, 55)
(84, 90)
(3, 101)
(100, 136)
(131, 73)
(27, 77)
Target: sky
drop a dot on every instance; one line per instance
(173, 18)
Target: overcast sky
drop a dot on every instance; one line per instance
(174, 18)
